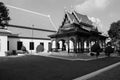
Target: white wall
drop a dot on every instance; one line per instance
(26, 43)
(12, 43)
(3, 45)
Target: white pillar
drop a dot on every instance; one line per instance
(3, 45)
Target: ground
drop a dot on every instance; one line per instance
(113, 74)
(34, 67)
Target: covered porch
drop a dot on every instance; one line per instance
(76, 42)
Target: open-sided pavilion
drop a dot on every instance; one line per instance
(76, 34)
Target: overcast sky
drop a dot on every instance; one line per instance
(107, 11)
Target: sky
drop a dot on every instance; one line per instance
(103, 11)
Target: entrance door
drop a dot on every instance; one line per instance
(49, 46)
(19, 45)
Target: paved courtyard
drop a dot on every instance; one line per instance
(37, 67)
(112, 74)
(74, 56)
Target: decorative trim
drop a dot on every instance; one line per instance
(28, 37)
(74, 13)
(66, 12)
(17, 26)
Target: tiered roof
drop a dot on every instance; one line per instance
(76, 23)
(23, 23)
(76, 18)
(82, 18)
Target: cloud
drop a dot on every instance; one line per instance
(113, 15)
(97, 23)
(92, 5)
(102, 3)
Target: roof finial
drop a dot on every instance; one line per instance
(65, 9)
(52, 22)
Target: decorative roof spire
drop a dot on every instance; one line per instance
(65, 9)
(66, 12)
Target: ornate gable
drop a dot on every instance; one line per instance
(72, 18)
(67, 24)
(76, 24)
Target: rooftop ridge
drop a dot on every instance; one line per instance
(18, 26)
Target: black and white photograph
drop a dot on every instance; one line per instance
(59, 39)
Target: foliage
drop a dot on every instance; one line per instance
(95, 47)
(4, 15)
(114, 34)
(114, 31)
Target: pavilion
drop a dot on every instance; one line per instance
(76, 34)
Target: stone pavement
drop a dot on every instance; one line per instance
(84, 57)
(71, 56)
(66, 56)
(90, 75)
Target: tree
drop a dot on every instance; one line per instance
(114, 34)
(114, 31)
(4, 15)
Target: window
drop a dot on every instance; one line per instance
(31, 45)
(19, 45)
(7, 45)
(49, 46)
(42, 44)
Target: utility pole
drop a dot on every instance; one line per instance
(32, 32)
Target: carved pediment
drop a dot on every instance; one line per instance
(66, 28)
(73, 21)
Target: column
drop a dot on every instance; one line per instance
(52, 45)
(75, 47)
(56, 46)
(78, 46)
(63, 46)
(68, 46)
(87, 44)
(82, 45)
(90, 45)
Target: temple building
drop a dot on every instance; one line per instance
(14, 37)
(76, 34)
(26, 29)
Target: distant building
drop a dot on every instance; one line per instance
(17, 36)
(76, 34)
(3, 41)
(26, 28)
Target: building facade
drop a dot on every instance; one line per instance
(14, 37)
(3, 41)
(76, 34)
